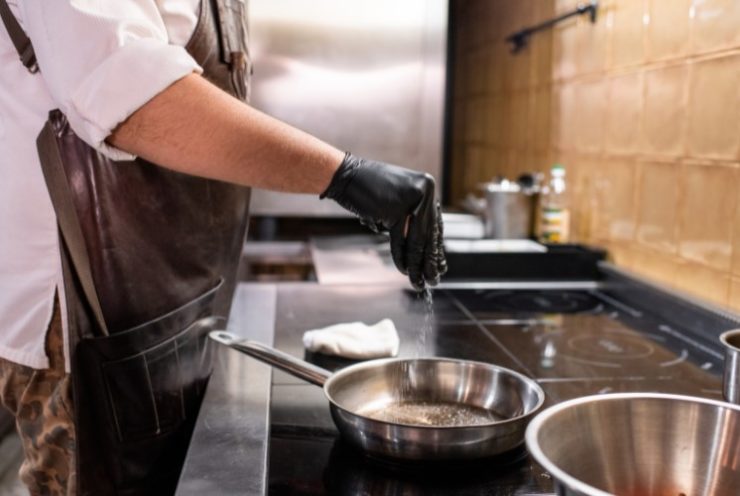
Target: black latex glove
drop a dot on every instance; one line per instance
(384, 197)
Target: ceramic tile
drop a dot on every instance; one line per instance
(520, 161)
(668, 29)
(477, 71)
(477, 27)
(706, 214)
(593, 44)
(657, 265)
(519, 121)
(623, 115)
(621, 254)
(589, 114)
(475, 121)
(517, 66)
(473, 168)
(457, 184)
(565, 50)
(627, 43)
(541, 118)
(736, 239)
(505, 134)
(598, 204)
(458, 122)
(664, 116)
(714, 116)
(522, 13)
(621, 209)
(581, 198)
(658, 199)
(495, 54)
(541, 66)
(541, 162)
(564, 5)
(611, 199)
(491, 164)
(493, 121)
(565, 117)
(715, 24)
(734, 297)
(705, 283)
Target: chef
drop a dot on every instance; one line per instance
(127, 150)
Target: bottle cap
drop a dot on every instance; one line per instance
(558, 170)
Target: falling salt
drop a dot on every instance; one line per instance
(428, 325)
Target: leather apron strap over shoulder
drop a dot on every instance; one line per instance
(19, 38)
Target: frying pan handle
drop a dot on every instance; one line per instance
(285, 362)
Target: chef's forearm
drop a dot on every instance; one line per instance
(195, 128)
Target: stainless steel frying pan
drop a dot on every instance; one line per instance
(417, 409)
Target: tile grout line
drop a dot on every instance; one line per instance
(488, 334)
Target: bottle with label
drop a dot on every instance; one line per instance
(555, 214)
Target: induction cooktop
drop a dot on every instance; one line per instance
(573, 342)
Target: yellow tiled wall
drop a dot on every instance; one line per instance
(643, 109)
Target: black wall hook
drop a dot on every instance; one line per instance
(520, 38)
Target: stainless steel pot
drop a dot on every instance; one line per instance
(639, 444)
(359, 392)
(509, 210)
(731, 389)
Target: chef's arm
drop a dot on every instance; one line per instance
(195, 128)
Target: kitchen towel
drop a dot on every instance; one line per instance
(354, 340)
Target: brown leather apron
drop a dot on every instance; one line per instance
(149, 258)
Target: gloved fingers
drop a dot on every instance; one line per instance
(431, 257)
(423, 243)
(415, 246)
(441, 260)
(398, 246)
(370, 224)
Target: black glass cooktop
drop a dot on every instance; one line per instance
(574, 343)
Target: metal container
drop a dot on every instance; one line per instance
(634, 444)
(731, 341)
(509, 210)
(356, 393)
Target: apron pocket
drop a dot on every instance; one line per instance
(144, 387)
(164, 379)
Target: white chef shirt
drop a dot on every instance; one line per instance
(100, 61)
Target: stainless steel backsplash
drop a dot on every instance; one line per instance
(366, 76)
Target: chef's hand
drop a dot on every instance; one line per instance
(400, 201)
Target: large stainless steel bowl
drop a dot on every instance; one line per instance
(639, 444)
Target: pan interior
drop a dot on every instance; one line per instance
(434, 393)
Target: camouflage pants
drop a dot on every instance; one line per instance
(41, 401)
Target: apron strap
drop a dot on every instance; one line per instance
(69, 224)
(18, 37)
(230, 15)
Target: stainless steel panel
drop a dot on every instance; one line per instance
(228, 450)
(365, 76)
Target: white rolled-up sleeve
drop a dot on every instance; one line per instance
(103, 60)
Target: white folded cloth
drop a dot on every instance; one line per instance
(354, 340)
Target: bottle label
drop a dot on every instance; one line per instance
(555, 225)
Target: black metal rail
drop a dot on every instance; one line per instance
(520, 38)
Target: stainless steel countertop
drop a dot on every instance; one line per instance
(228, 450)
